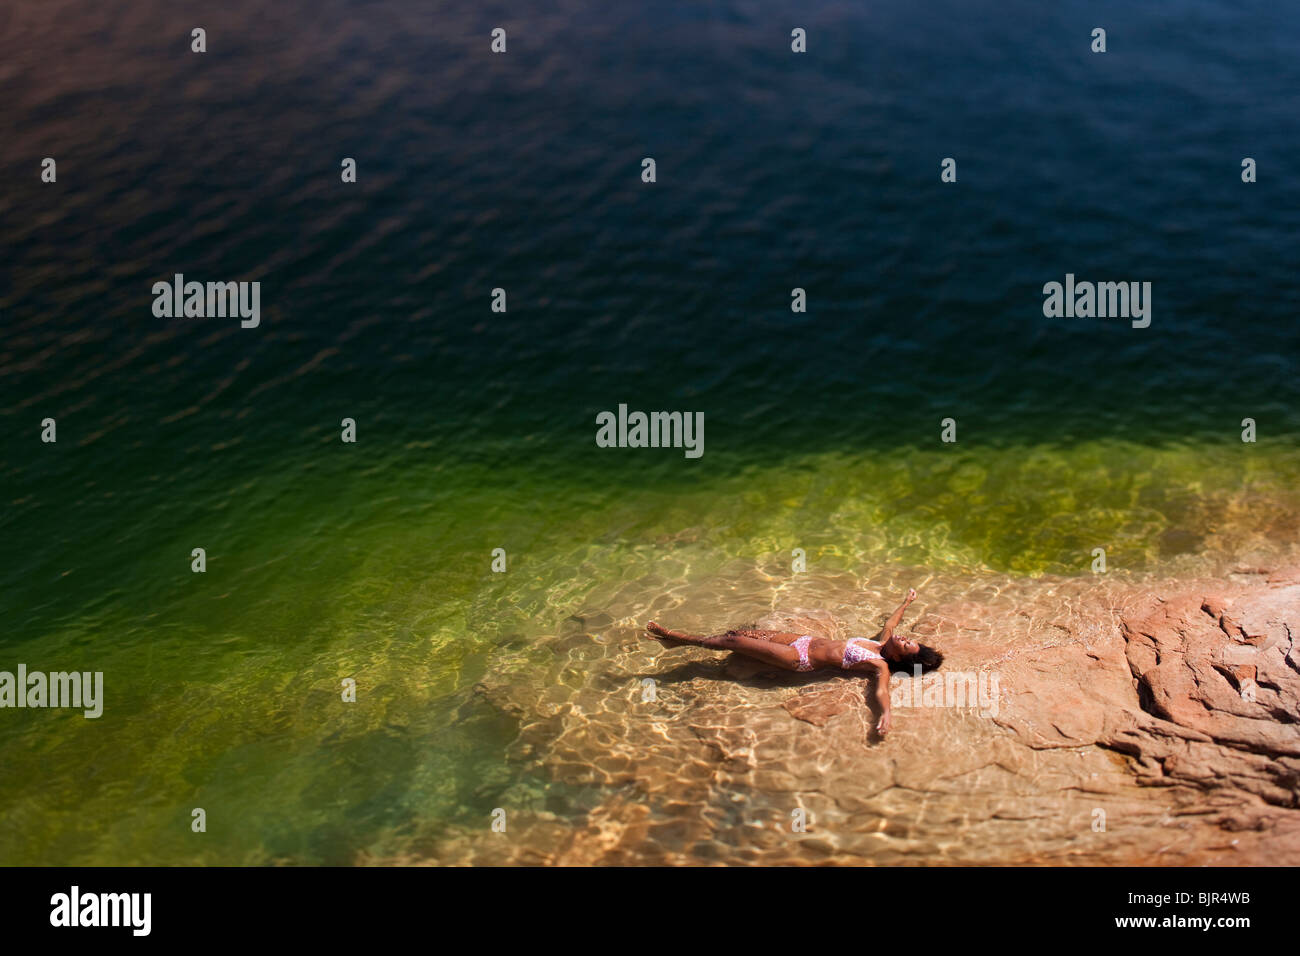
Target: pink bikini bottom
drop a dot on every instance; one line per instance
(801, 645)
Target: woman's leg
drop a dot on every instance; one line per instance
(776, 637)
(773, 652)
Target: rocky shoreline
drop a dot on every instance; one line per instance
(1137, 723)
(1201, 687)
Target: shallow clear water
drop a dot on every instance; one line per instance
(476, 429)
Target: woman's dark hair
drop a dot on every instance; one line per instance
(926, 656)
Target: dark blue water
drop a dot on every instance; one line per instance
(775, 170)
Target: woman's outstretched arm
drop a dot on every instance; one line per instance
(882, 697)
(896, 618)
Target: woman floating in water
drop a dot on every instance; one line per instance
(803, 652)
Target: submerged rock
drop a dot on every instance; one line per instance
(1153, 723)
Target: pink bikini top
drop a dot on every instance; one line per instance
(855, 652)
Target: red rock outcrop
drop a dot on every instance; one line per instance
(1201, 686)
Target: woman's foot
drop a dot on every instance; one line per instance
(666, 637)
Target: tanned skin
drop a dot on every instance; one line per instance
(773, 647)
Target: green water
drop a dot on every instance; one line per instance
(224, 689)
